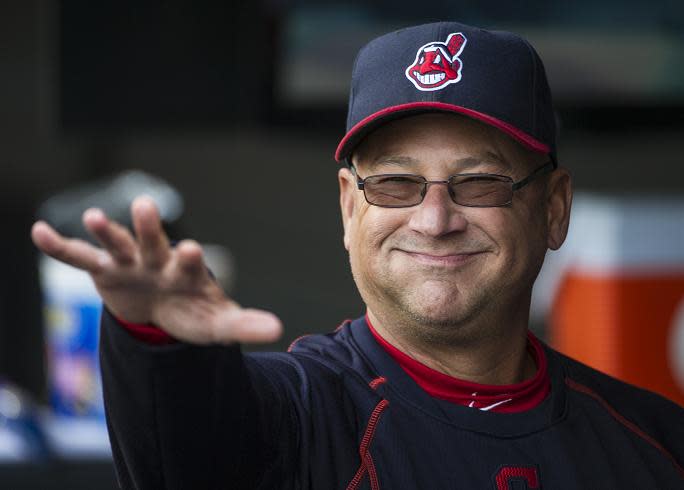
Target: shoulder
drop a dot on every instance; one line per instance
(335, 344)
(585, 379)
(318, 359)
(649, 415)
(320, 375)
(336, 351)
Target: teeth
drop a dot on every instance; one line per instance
(430, 78)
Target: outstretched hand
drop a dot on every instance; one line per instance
(143, 280)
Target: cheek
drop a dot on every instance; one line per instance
(370, 237)
(521, 240)
(533, 229)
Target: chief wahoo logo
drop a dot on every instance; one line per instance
(437, 64)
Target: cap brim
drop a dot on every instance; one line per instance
(372, 122)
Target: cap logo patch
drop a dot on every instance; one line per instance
(437, 63)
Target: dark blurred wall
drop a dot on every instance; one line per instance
(23, 175)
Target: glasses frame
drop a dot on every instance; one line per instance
(543, 169)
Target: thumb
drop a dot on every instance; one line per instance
(247, 325)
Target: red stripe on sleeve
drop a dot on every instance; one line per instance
(147, 333)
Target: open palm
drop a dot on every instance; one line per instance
(144, 280)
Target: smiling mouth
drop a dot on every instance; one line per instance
(453, 260)
(430, 78)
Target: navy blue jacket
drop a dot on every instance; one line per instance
(337, 412)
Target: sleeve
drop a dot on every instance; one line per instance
(150, 334)
(182, 416)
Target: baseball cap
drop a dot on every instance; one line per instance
(495, 77)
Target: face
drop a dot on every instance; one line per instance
(438, 266)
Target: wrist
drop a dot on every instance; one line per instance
(146, 332)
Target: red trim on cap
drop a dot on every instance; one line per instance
(517, 134)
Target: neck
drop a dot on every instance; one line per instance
(496, 355)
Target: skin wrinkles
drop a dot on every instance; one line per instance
(467, 317)
(487, 162)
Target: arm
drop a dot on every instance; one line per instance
(184, 415)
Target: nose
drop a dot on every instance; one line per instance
(428, 64)
(425, 68)
(437, 215)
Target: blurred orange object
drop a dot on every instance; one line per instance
(617, 290)
(623, 325)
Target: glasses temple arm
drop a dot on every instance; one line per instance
(538, 172)
(352, 168)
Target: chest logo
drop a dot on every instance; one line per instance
(437, 63)
(509, 476)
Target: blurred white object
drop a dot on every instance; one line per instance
(21, 436)
(220, 262)
(72, 437)
(613, 233)
(72, 314)
(114, 196)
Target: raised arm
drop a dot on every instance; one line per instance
(189, 414)
(143, 280)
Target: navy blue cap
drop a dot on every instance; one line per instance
(493, 76)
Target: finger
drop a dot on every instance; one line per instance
(116, 239)
(247, 325)
(190, 257)
(154, 245)
(77, 253)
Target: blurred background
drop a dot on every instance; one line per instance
(229, 114)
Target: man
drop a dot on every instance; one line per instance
(451, 198)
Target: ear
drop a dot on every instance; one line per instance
(348, 193)
(559, 202)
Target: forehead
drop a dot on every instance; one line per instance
(436, 140)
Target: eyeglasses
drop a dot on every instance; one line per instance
(475, 190)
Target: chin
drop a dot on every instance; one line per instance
(443, 317)
(437, 306)
(435, 327)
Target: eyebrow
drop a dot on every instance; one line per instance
(487, 158)
(464, 164)
(394, 161)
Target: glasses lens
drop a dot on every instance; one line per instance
(482, 190)
(393, 190)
